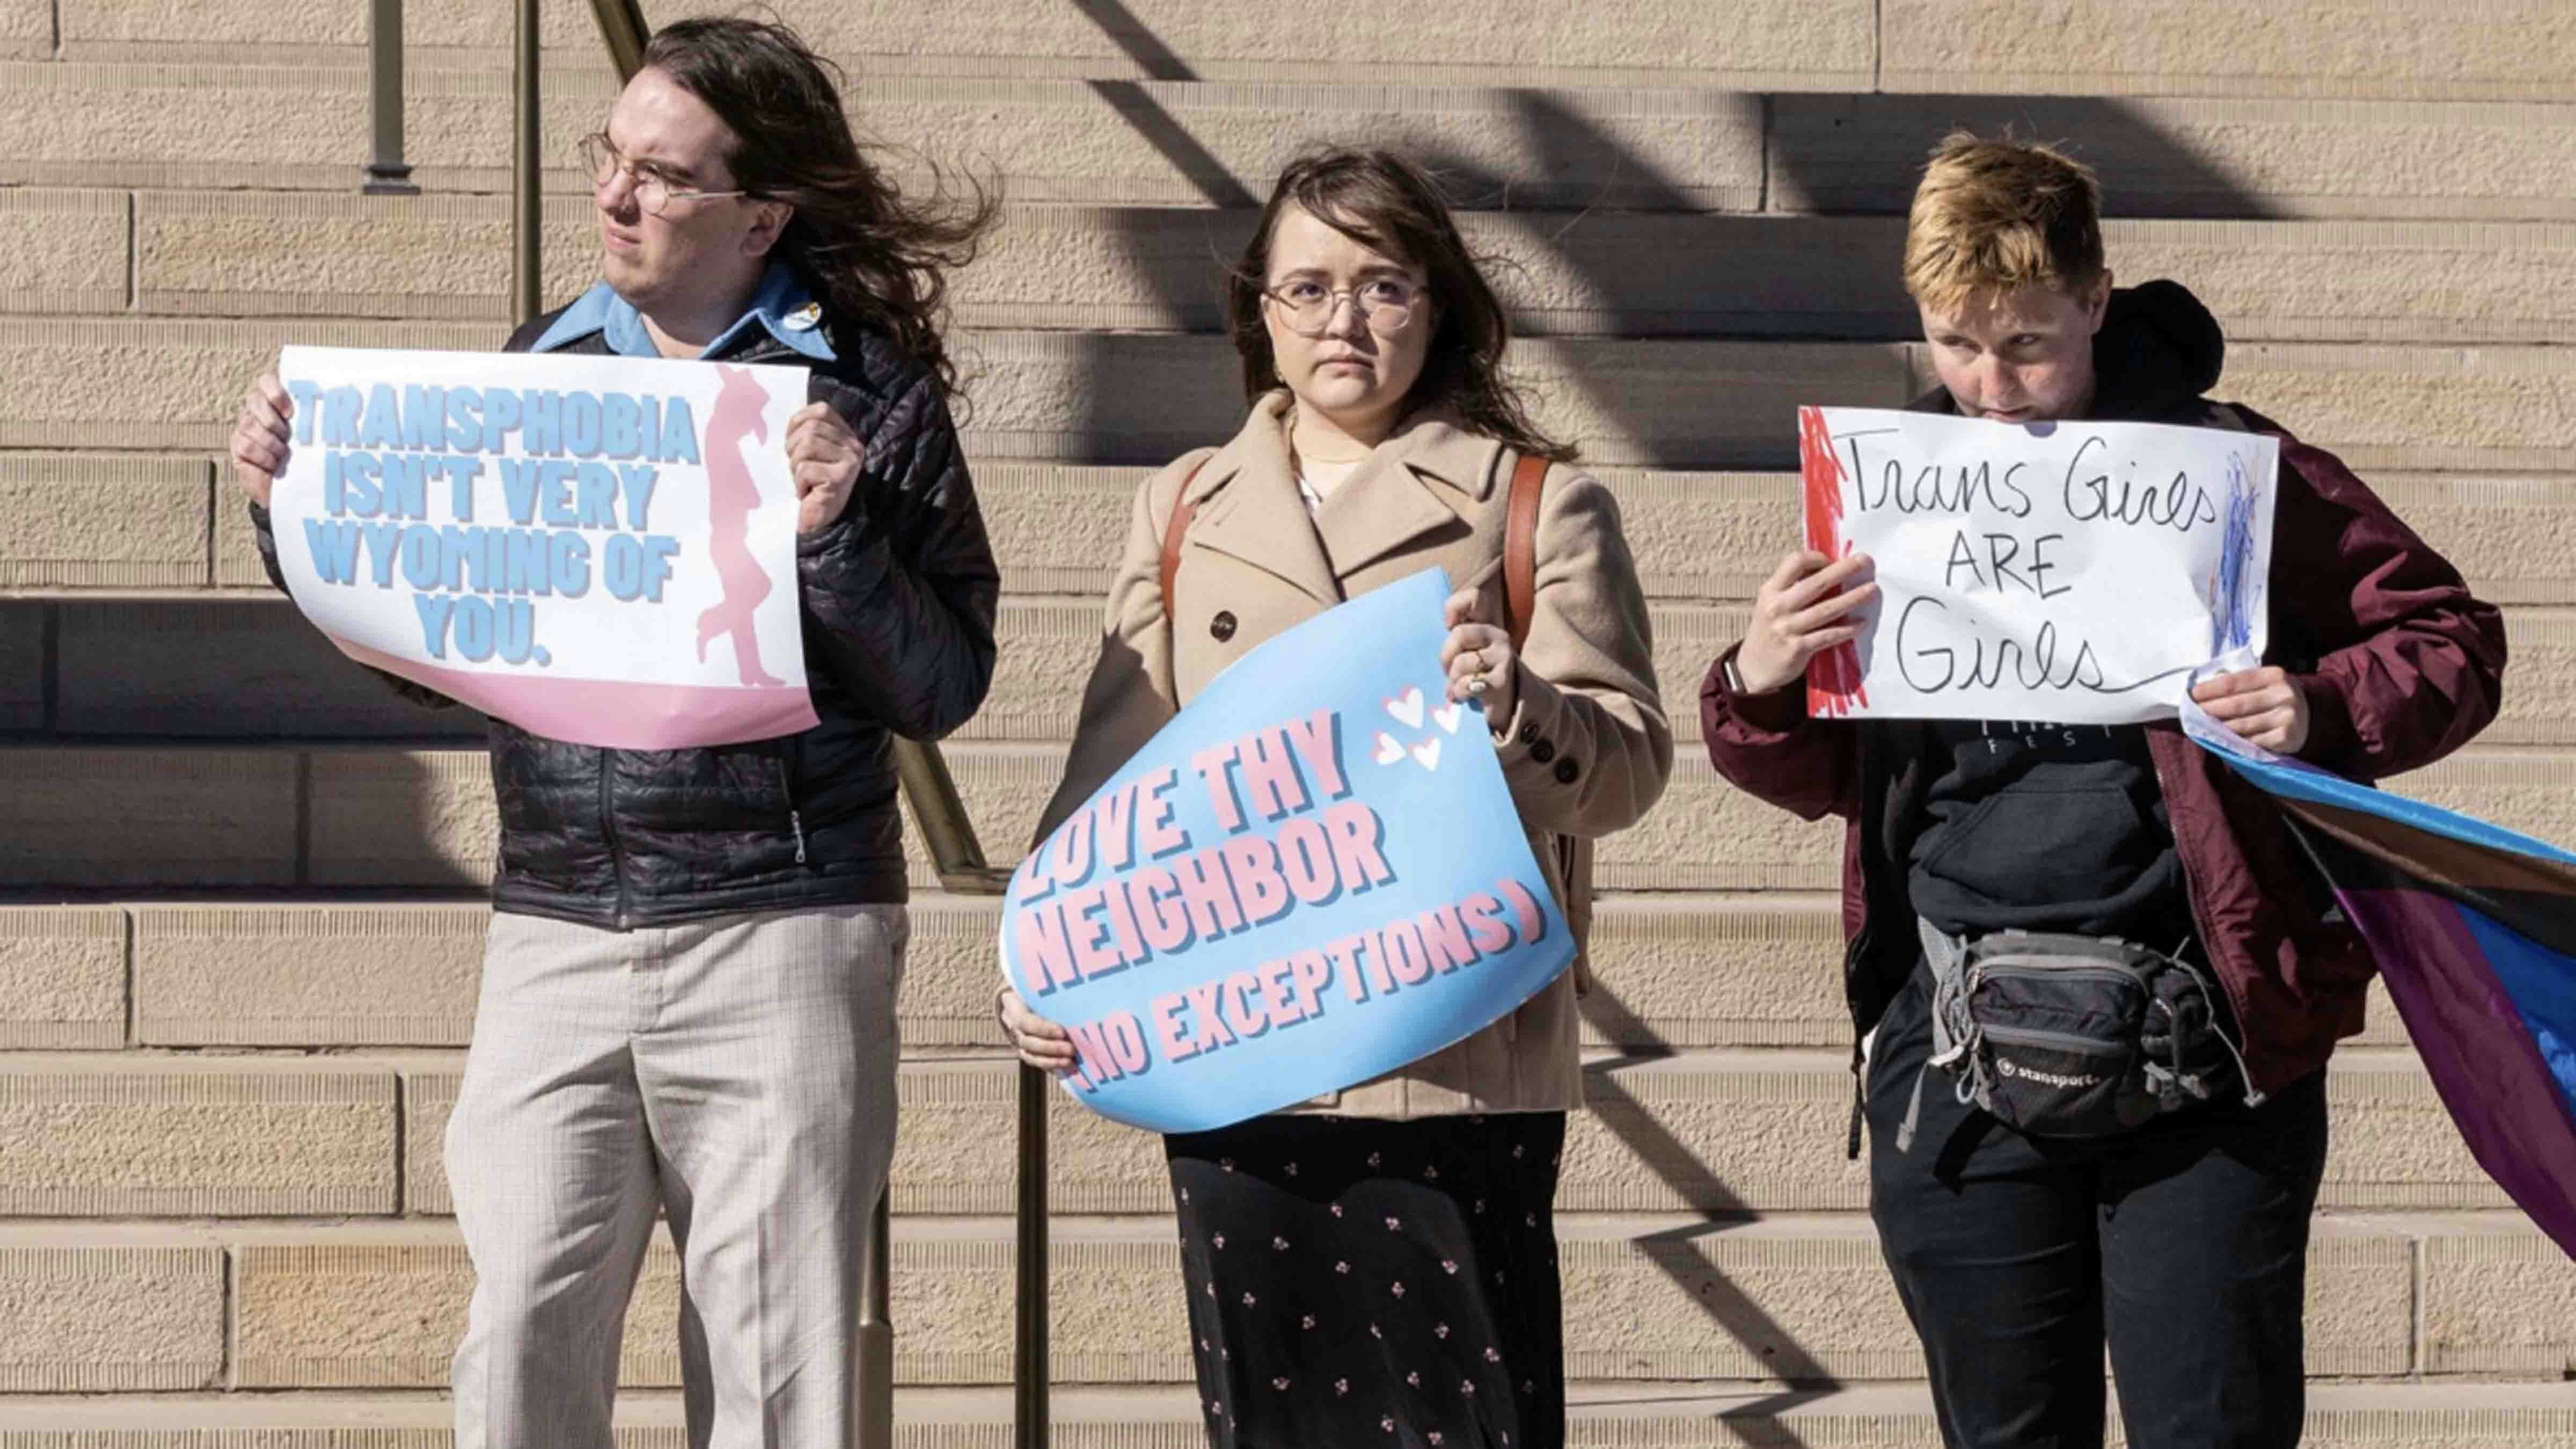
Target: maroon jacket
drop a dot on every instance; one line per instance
(2400, 666)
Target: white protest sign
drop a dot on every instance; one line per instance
(2071, 572)
(598, 549)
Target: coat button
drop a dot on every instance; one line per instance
(1529, 732)
(1543, 751)
(1222, 626)
(1566, 770)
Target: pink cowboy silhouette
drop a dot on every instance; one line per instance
(731, 496)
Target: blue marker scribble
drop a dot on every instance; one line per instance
(2231, 622)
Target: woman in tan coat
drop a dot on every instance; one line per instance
(1379, 1265)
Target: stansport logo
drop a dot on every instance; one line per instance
(2010, 1068)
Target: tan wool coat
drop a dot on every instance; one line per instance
(1586, 751)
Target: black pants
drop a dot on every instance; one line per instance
(2183, 1245)
(1365, 1284)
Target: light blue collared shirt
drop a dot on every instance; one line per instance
(782, 305)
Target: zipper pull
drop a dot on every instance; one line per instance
(796, 822)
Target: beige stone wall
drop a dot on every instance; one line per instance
(240, 930)
(2383, 49)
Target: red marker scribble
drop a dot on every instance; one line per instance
(1834, 686)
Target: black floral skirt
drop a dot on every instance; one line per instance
(1356, 1282)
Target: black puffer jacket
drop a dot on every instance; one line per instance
(898, 597)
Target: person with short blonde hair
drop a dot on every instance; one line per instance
(2178, 1244)
(2001, 215)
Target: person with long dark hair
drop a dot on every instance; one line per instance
(688, 995)
(1379, 1266)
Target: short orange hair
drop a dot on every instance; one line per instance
(1998, 216)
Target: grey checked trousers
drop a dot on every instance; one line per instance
(738, 1073)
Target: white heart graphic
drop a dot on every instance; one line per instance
(1447, 718)
(1427, 754)
(1388, 751)
(1407, 707)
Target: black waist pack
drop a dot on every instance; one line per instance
(2072, 1036)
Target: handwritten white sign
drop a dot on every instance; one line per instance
(598, 549)
(2071, 572)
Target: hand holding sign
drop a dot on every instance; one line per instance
(261, 437)
(825, 456)
(2259, 705)
(1477, 655)
(1312, 876)
(1801, 611)
(1040, 1042)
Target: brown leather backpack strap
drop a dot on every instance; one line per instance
(1184, 508)
(1520, 548)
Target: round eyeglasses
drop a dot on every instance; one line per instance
(1385, 304)
(655, 192)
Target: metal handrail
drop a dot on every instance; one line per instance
(527, 222)
(622, 27)
(1029, 1321)
(958, 857)
(872, 1342)
(387, 174)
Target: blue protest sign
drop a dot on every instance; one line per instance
(1313, 875)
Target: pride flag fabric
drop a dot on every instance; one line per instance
(2474, 929)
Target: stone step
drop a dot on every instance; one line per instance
(437, 33)
(235, 253)
(1058, 529)
(1048, 648)
(315, 254)
(222, 669)
(73, 249)
(26, 29)
(1641, 274)
(1721, 1133)
(204, 817)
(209, 666)
(2192, 47)
(65, 976)
(2179, 47)
(117, 123)
(2539, 699)
(151, 1134)
(117, 1135)
(1043, 139)
(334, 975)
(1504, 42)
(1704, 1132)
(144, 384)
(114, 521)
(325, 975)
(148, 384)
(1707, 835)
(2178, 157)
(1646, 1298)
(1600, 1415)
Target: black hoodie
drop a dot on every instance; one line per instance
(2051, 827)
